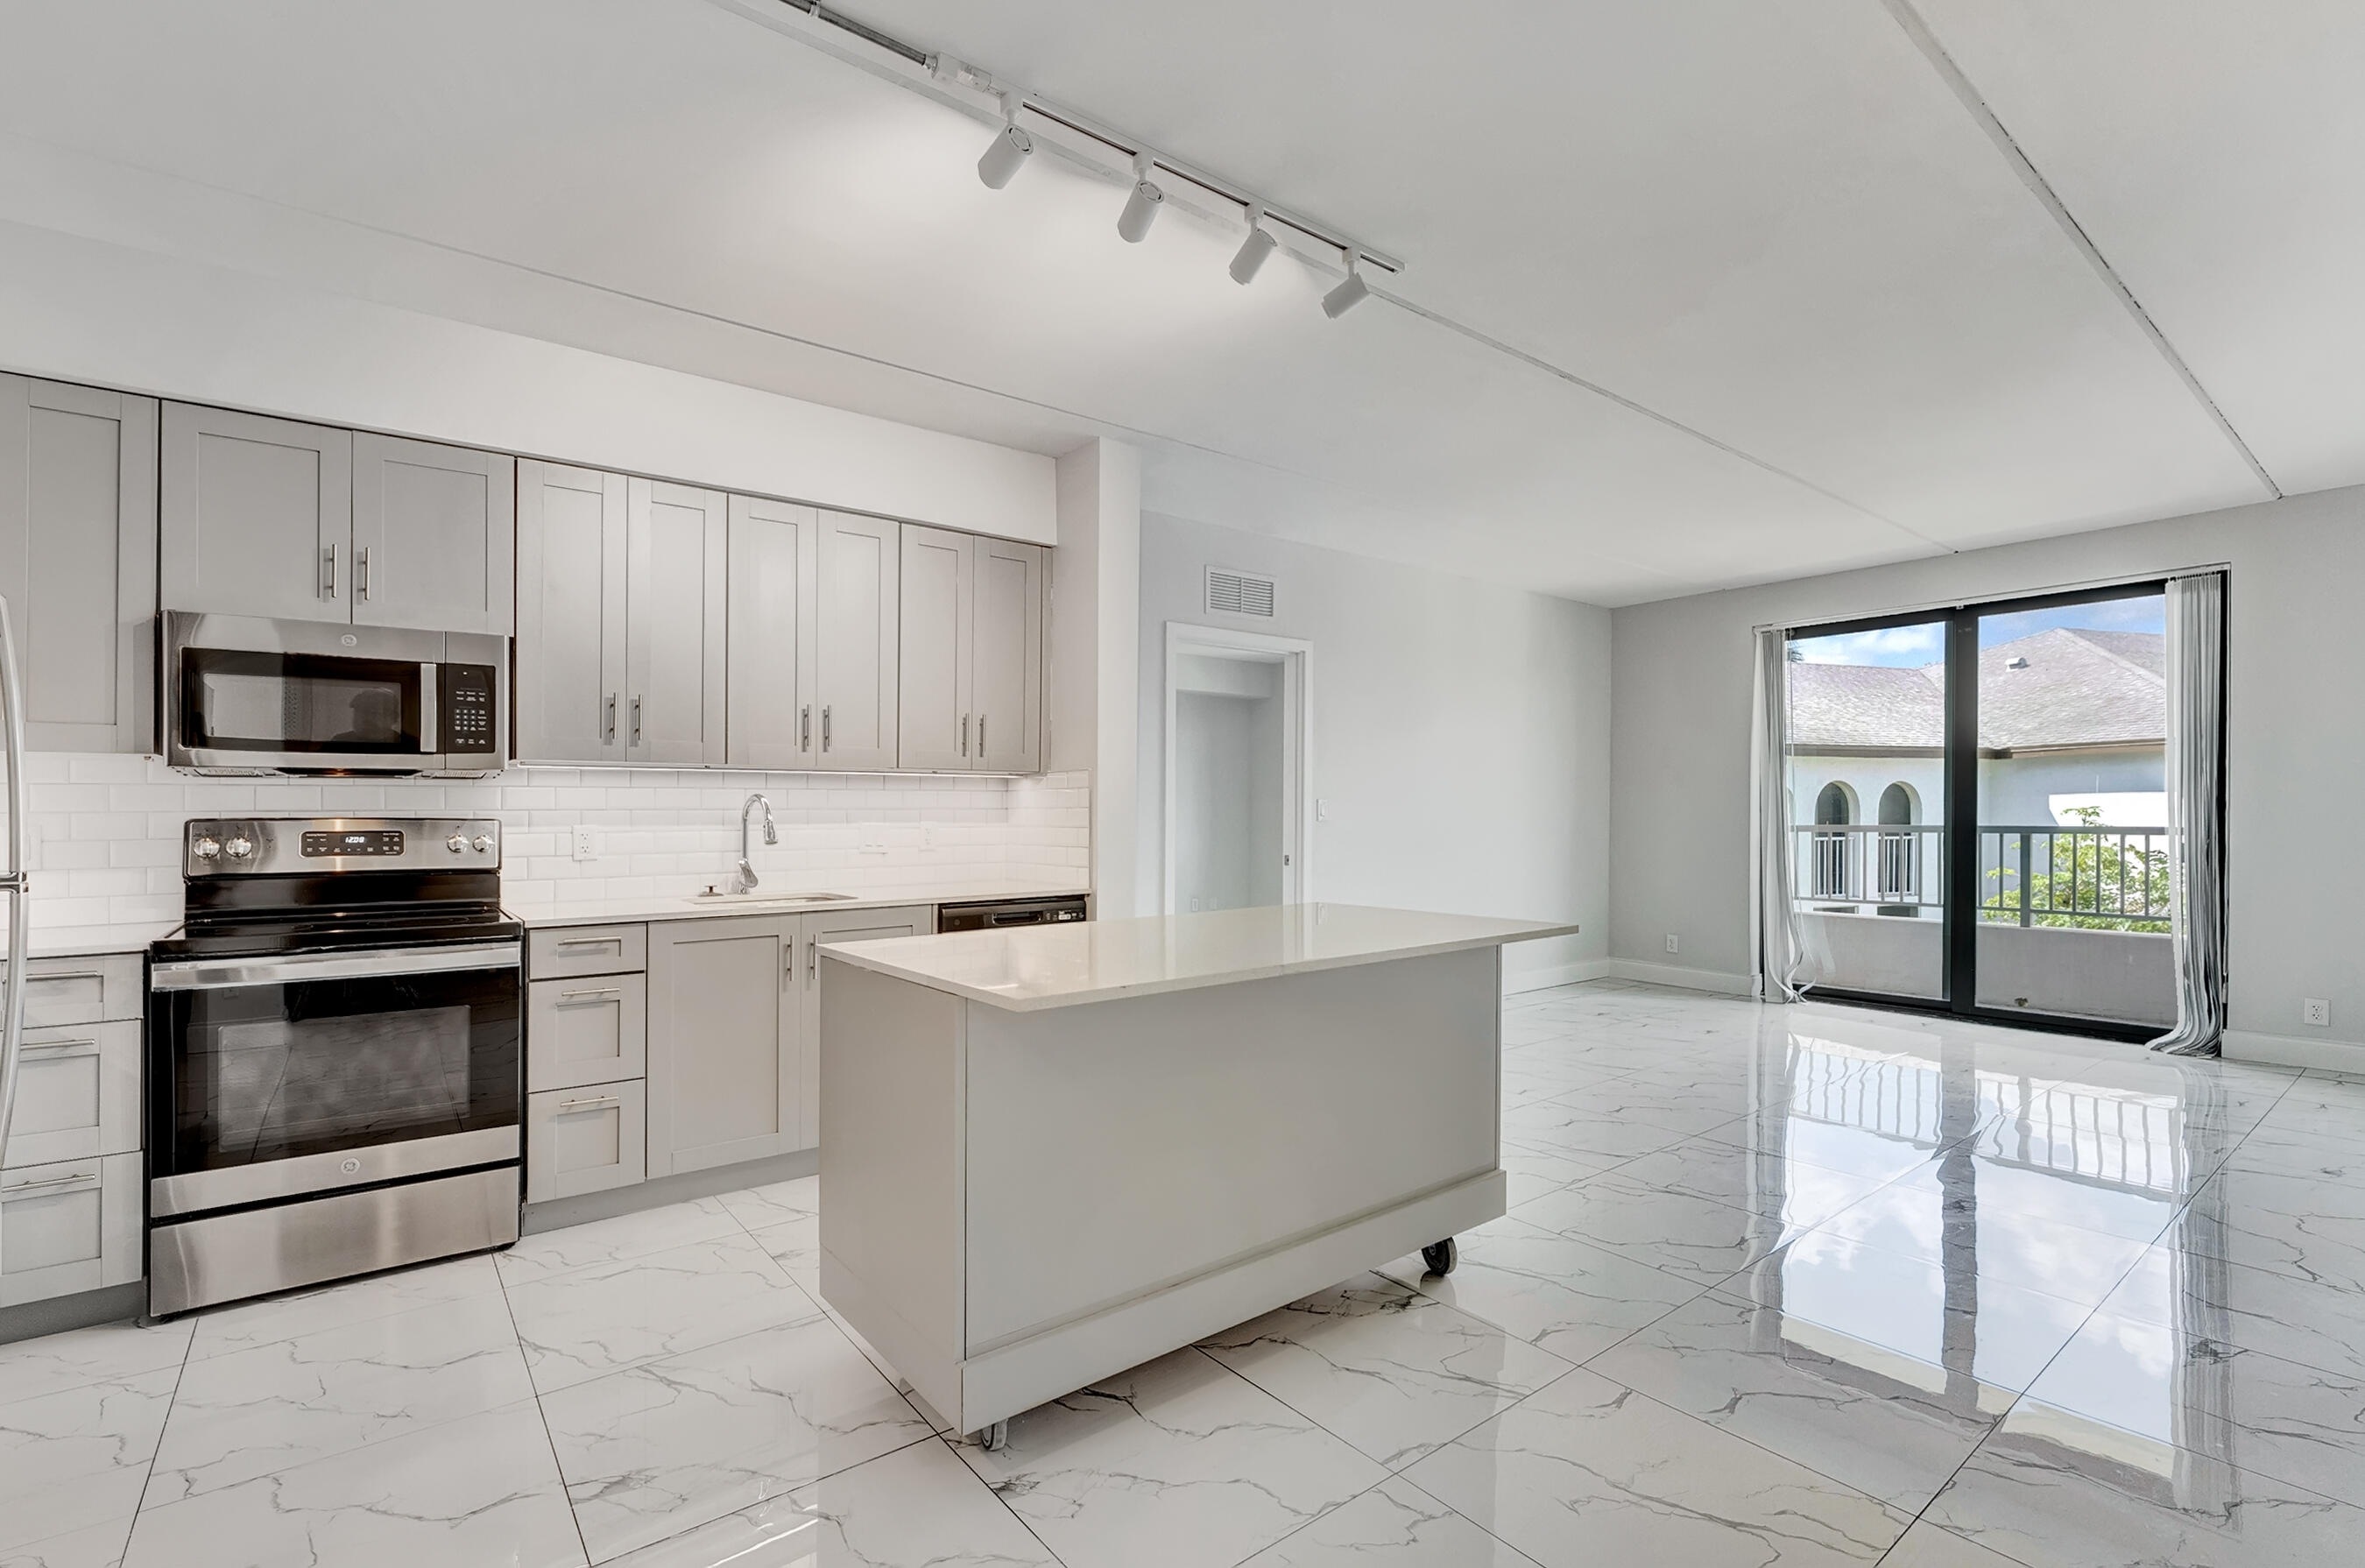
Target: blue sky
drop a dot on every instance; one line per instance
(1923, 643)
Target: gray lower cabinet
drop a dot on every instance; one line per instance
(589, 1030)
(69, 1226)
(585, 1140)
(727, 1040)
(257, 515)
(78, 561)
(854, 925)
(77, 1094)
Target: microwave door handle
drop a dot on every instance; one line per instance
(428, 727)
(12, 876)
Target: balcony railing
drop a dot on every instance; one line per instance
(2034, 874)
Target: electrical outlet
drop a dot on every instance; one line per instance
(1194, 906)
(2315, 1010)
(1673, 944)
(872, 846)
(927, 835)
(586, 842)
(1321, 810)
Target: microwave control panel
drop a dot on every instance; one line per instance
(467, 701)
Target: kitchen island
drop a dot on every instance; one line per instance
(1053, 1153)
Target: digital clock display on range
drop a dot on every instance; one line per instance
(368, 840)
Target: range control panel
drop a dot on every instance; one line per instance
(468, 705)
(366, 841)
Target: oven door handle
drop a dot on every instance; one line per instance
(221, 974)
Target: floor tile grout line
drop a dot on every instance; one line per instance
(953, 1442)
(558, 1468)
(148, 1479)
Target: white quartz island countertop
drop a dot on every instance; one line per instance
(1032, 967)
(681, 906)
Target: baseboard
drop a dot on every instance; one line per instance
(2293, 1050)
(1544, 979)
(557, 1213)
(1675, 975)
(109, 1304)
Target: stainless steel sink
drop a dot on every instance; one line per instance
(713, 896)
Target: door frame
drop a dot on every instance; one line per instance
(1296, 657)
(1959, 849)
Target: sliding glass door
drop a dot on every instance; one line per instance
(1977, 817)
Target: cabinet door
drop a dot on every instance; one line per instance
(769, 719)
(585, 1140)
(257, 515)
(69, 1227)
(570, 612)
(726, 1033)
(854, 925)
(675, 575)
(78, 561)
(857, 612)
(1006, 658)
(933, 709)
(434, 536)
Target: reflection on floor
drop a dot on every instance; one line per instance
(1799, 1285)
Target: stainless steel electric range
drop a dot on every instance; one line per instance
(335, 1070)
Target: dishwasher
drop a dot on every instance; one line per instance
(1000, 913)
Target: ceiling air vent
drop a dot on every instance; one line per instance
(1239, 593)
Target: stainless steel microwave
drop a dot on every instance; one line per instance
(247, 696)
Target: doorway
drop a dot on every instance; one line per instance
(2012, 755)
(1237, 722)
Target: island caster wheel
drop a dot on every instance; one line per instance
(1441, 1256)
(996, 1438)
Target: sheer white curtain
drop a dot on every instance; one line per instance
(2196, 810)
(1783, 967)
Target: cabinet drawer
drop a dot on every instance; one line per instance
(591, 1030)
(83, 990)
(585, 1140)
(77, 1094)
(587, 950)
(69, 1226)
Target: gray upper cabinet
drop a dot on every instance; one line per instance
(933, 717)
(725, 1042)
(78, 561)
(858, 610)
(570, 614)
(434, 536)
(775, 556)
(677, 541)
(257, 515)
(1006, 663)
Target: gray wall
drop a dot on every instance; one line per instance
(2296, 628)
(1461, 732)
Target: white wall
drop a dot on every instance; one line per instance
(1461, 733)
(2296, 869)
(84, 310)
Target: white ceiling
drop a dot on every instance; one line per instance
(1838, 327)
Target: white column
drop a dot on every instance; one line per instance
(1096, 653)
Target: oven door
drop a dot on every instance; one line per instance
(277, 1077)
(248, 708)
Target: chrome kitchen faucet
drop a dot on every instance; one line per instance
(744, 879)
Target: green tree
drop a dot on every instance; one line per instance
(2097, 882)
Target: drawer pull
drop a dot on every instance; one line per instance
(45, 1182)
(597, 1103)
(69, 975)
(615, 942)
(566, 996)
(53, 1047)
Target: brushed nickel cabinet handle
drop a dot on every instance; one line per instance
(615, 942)
(71, 1177)
(596, 1103)
(964, 739)
(566, 996)
(824, 727)
(981, 737)
(51, 1048)
(611, 730)
(362, 572)
(636, 719)
(329, 573)
(804, 729)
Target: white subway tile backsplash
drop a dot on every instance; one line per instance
(105, 831)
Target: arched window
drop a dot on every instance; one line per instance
(1833, 859)
(1900, 883)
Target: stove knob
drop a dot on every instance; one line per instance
(206, 848)
(455, 843)
(238, 847)
(484, 843)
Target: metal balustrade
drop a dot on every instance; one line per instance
(2032, 874)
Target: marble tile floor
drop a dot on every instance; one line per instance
(1799, 1286)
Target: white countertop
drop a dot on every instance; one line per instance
(647, 906)
(84, 941)
(1037, 966)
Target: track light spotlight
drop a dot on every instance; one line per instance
(1004, 156)
(1141, 206)
(1348, 295)
(1254, 249)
